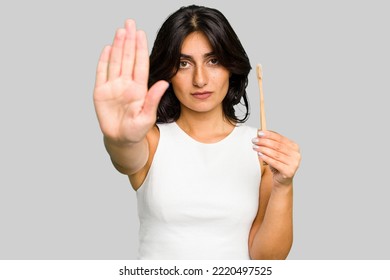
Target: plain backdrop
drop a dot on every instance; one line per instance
(326, 86)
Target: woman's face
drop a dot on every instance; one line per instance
(201, 83)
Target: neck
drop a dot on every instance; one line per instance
(208, 127)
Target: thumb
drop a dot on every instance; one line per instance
(153, 97)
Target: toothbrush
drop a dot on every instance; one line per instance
(263, 125)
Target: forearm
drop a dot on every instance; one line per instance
(127, 158)
(273, 240)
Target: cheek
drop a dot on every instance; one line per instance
(178, 84)
(221, 76)
(223, 81)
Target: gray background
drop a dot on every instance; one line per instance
(326, 84)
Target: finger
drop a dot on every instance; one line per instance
(278, 147)
(141, 68)
(286, 171)
(273, 150)
(277, 138)
(275, 155)
(129, 49)
(268, 134)
(114, 66)
(279, 166)
(287, 166)
(153, 97)
(101, 71)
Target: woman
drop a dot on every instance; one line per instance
(202, 192)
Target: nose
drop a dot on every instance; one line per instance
(200, 78)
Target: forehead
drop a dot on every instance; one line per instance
(196, 43)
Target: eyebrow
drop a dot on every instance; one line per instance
(189, 57)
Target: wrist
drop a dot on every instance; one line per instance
(282, 188)
(120, 143)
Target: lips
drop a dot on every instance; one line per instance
(201, 95)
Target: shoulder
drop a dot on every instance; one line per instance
(246, 127)
(246, 130)
(164, 128)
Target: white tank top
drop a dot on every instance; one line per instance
(199, 200)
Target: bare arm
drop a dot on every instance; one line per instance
(125, 107)
(271, 235)
(127, 158)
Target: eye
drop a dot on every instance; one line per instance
(214, 61)
(183, 64)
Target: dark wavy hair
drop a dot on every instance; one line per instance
(165, 58)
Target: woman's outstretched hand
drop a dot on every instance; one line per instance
(281, 154)
(125, 107)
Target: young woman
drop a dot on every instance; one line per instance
(202, 192)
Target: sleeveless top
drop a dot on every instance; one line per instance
(198, 201)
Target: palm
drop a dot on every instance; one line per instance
(119, 107)
(125, 108)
